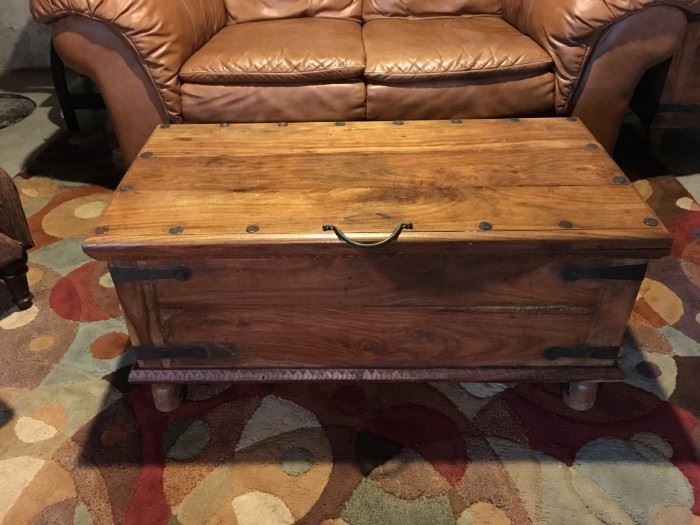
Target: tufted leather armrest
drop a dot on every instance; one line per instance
(570, 29)
(164, 33)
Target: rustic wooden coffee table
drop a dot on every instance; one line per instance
(489, 250)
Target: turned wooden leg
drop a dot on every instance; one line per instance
(580, 396)
(15, 277)
(167, 396)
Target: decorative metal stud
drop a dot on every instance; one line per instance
(224, 124)
(282, 124)
(165, 125)
(340, 123)
(176, 230)
(620, 180)
(572, 119)
(485, 226)
(591, 145)
(651, 222)
(252, 228)
(566, 224)
(456, 121)
(514, 119)
(100, 230)
(398, 122)
(147, 155)
(124, 188)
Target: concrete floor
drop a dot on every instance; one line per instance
(692, 184)
(20, 142)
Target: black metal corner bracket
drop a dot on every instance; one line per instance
(583, 352)
(633, 272)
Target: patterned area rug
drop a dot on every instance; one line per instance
(78, 445)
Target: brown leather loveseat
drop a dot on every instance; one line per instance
(158, 61)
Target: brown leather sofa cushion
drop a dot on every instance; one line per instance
(279, 51)
(250, 10)
(423, 8)
(441, 48)
(521, 95)
(327, 101)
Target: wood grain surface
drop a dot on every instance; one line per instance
(201, 187)
(243, 206)
(374, 279)
(376, 337)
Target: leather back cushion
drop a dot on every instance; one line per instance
(426, 8)
(251, 10)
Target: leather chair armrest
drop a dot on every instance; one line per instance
(164, 33)
(570, 30)
(13, 223)
(10, 250)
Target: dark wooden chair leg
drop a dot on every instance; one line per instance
(58, 72)
(15, 277)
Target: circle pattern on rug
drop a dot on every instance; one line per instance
(76, 217)
(92, 448)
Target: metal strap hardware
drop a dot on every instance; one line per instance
(394, 235)
(590, 352)
(633, 272)
(131, 274)
(194, 351)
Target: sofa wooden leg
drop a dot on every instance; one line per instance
(580, 396)
(15, 277)
(167, 396)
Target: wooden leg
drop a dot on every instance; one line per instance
(15, 277)
(580, 396)
(58, 72)
(167, 396)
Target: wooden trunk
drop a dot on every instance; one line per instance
(525, 257)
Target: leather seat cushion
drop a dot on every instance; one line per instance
(423, 8)
(250, 10)
(493, 97)
(297, 50)
(274, 103)
(400, 50)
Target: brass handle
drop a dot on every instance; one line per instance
(395, 235)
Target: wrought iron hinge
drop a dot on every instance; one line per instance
(633, 272)
(193, 351)
(590, 352)
(131, 274)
